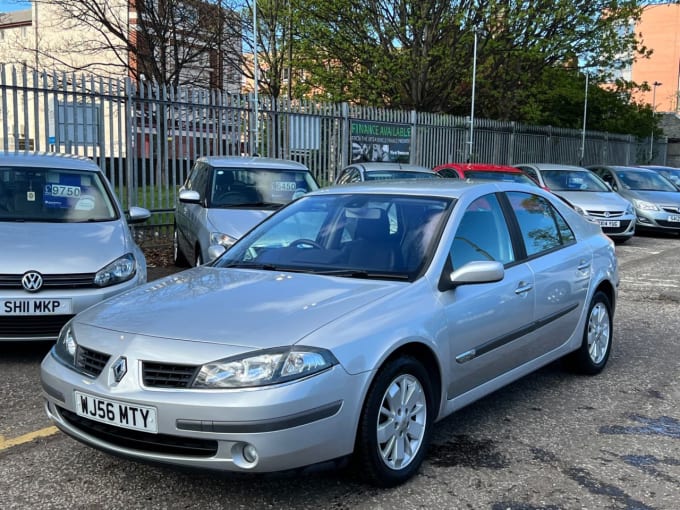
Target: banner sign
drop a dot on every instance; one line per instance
(380, 141)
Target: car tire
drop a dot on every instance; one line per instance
(390, 426)
(592, 355)
(178, 257)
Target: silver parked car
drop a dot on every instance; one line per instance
(655, 198)
(348, 322)
(669, 172)
(66, 244)
(589, 195)
(381, 171)
(225, 196)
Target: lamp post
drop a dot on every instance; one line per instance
(472, 107)
(651, 137)
(585, 116)
(255, 77)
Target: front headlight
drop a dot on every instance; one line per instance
(120, 270)
(266, 367)
(645, 206)
(579, 210)
(220, 238)
(630, 209)
(66, 346)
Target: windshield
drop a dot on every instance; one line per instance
(573, 180)
(53, 195)
(671, 174)
(383, 175)
(646, 180)
(362, 236)
(499, 176)
(233, 187)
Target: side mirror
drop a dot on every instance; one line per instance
(215, 251)
(476, 272)
(138, 214)
(189, 196)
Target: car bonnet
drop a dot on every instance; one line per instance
(595, 201)
(238, 307)
(236, 222)
(61, 248)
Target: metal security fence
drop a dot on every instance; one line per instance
(146, 137)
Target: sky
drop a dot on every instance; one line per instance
(13, 5)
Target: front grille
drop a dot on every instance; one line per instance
(161, 375)
(141, 441)
(671, 209)
(603, 214)
(91, 362)
(51, 281)
(32, 326)
(668, 224)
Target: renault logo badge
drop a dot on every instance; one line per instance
(32, 281)
(119, 368)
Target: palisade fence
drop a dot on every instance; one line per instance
(146, 137)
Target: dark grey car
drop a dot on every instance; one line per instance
(655, 198)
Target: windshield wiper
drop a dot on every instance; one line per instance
(361, 273)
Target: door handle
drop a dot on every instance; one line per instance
(523, 288)
(583, 265)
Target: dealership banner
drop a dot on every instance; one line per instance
(380, 141)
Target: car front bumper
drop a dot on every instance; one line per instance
(289, 425)
(658, 220)
(28, 326)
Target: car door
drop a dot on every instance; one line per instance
(561, 267)
(487, 324)
(191, 217)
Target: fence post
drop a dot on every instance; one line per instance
(345, 144)
(511, 144)
(414, 153)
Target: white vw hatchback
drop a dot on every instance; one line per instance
(66, 244)
(345, 324)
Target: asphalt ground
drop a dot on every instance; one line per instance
(550, 441)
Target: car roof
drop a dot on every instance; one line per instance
(554, 166)
(47, 160)
(371, 166)
(252, 162)
(450, 188)
(490, 167)
(619, 168)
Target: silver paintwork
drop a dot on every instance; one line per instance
(213, 312)
(596, 205)
(66, 248)
(194, 222)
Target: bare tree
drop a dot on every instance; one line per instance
(168, 42)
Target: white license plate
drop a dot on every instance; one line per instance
(675, 218)
(34, 306)
(116, 413)
(610, 223)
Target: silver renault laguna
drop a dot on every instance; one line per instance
(343, 326)
(65, 243)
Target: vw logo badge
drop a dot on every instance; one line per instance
(119, 368)
(32, 281)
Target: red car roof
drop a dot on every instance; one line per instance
(479, 166)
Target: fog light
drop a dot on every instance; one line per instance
(250, 453)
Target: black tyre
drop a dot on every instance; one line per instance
(396, 423)
(593, 354)
(177, 256)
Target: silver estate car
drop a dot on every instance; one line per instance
(225, 196)
(66, 244)
(348, 322)
(380, 171)
(589, 195)
(655, 198)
